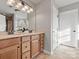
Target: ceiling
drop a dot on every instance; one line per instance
(62, 3)
(4, 7)
(35, 1)
(59, 3)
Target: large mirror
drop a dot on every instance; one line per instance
(12, 20)
(6, 23)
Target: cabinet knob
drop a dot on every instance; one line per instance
(25, 46)
(74, 31)
(26, 57)
(18, 47)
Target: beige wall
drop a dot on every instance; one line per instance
(43, 21)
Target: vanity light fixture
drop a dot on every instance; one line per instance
(28, 11)
(23, 9)
(31, 9)
(20, 5)
(26, 7)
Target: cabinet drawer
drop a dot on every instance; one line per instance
(25, 46)
(27, 38)
(26, 55)
(35, 37)
(11, 52)
(9, 42)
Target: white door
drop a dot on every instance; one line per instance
(68, 27)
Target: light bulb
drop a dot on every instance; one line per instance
(31, 9)
(19, 5)
(28, 11)
(11, 2)
(23, 9)
(26, 7)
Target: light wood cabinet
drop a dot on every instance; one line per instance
(26, 55)
(42, 36)
(35, 48)
(23, 47)
(25, 39)
(35, 45)
(10, 50)
(26, 47)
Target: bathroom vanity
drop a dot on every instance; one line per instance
(16, 39)
(21, 46)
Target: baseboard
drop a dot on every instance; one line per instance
(77, 48)
(47, 52)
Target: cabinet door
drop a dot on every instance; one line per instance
(12, 52)
(35, 48)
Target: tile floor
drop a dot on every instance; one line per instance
(62, 52)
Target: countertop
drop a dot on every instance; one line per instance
(6, 36)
